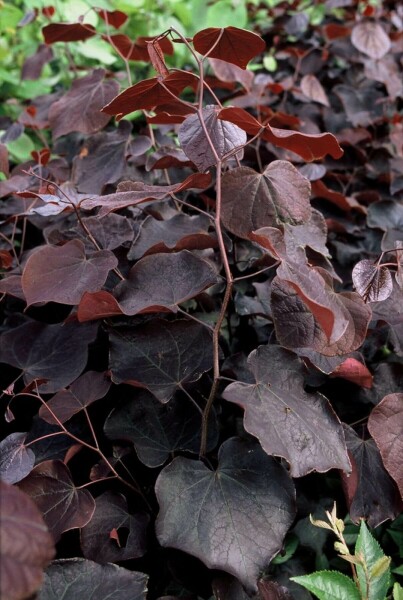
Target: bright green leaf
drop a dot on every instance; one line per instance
(397, 592)
(372, 553)
(21, 148)
(329, 585)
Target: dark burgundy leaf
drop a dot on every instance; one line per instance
(234, 45)
(4, 165)
(57, 353)
(362, 487)
(162, 281)
(63, 273)
(111, 513)
(110, 232)
(131, 193)
(353, 370)
(252, 200)
(161, 356)
(320, 190)
(224, 136)
(26, 545)
(309, 146)
(370, 38)
(16, 460)
(234, 518)
(270, 590)
(74, 578)
(33, 65)
(373, 282)
(300, 427)
(166, 157)
(102, 159)
(67, 32)
(79, 109)
(156, 429)
(88, 388)
(149, 93)
(361, 103)
(116, 18)
(136, 50)
(297, 325)
(385, 424)
(62, 505)
(178, 233)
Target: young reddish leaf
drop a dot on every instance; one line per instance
(308, 146)
(320, 190)
(385, 424)
(131, 193)
(62, 505)
(150, 93)
(236, 46)
(161, 356)
(42, 156)
(251, 200)
(16, 460)
(313, 89)
(67, 32)
(4, 164)
(311, 435)
(371, 39)
(26, 545)
(162, 281)
(97, 305)
(353, 370)
(234, 518)
(57, 353)
(333, 31)
(63, 273)
(116, 18)
(181, 232)
(33, 65)
(79, 109)
(157, 58)
(136, 50)
(88, 388)
(362, 487)
(111, 514)
(224, 136)
(152, 427)
(373, 282)
(270, 590)
(74, 578)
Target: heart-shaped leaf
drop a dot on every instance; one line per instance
(161, 355)
(149, 93)
(63, 273)
(67, 32)
(234, 45)
(370, 38)
(234, 518)
(116, 18)
(88, 388)
(385, 424)
(16, 461)
(57, 353)
(26, 545)
(153, 427)
(111, 513)
(162, 281)
(75, 578)
(313, 89)
(300, 427)
(373, 282)
(62, 505)
(224, 136)
(367, 478)
(251, 200)
(79, 108)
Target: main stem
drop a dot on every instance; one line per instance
(221, 317)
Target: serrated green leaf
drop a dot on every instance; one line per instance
(397, 592)
(290, 547)
(329, 585)
(377, 585)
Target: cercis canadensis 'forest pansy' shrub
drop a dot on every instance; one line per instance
(188, 295)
